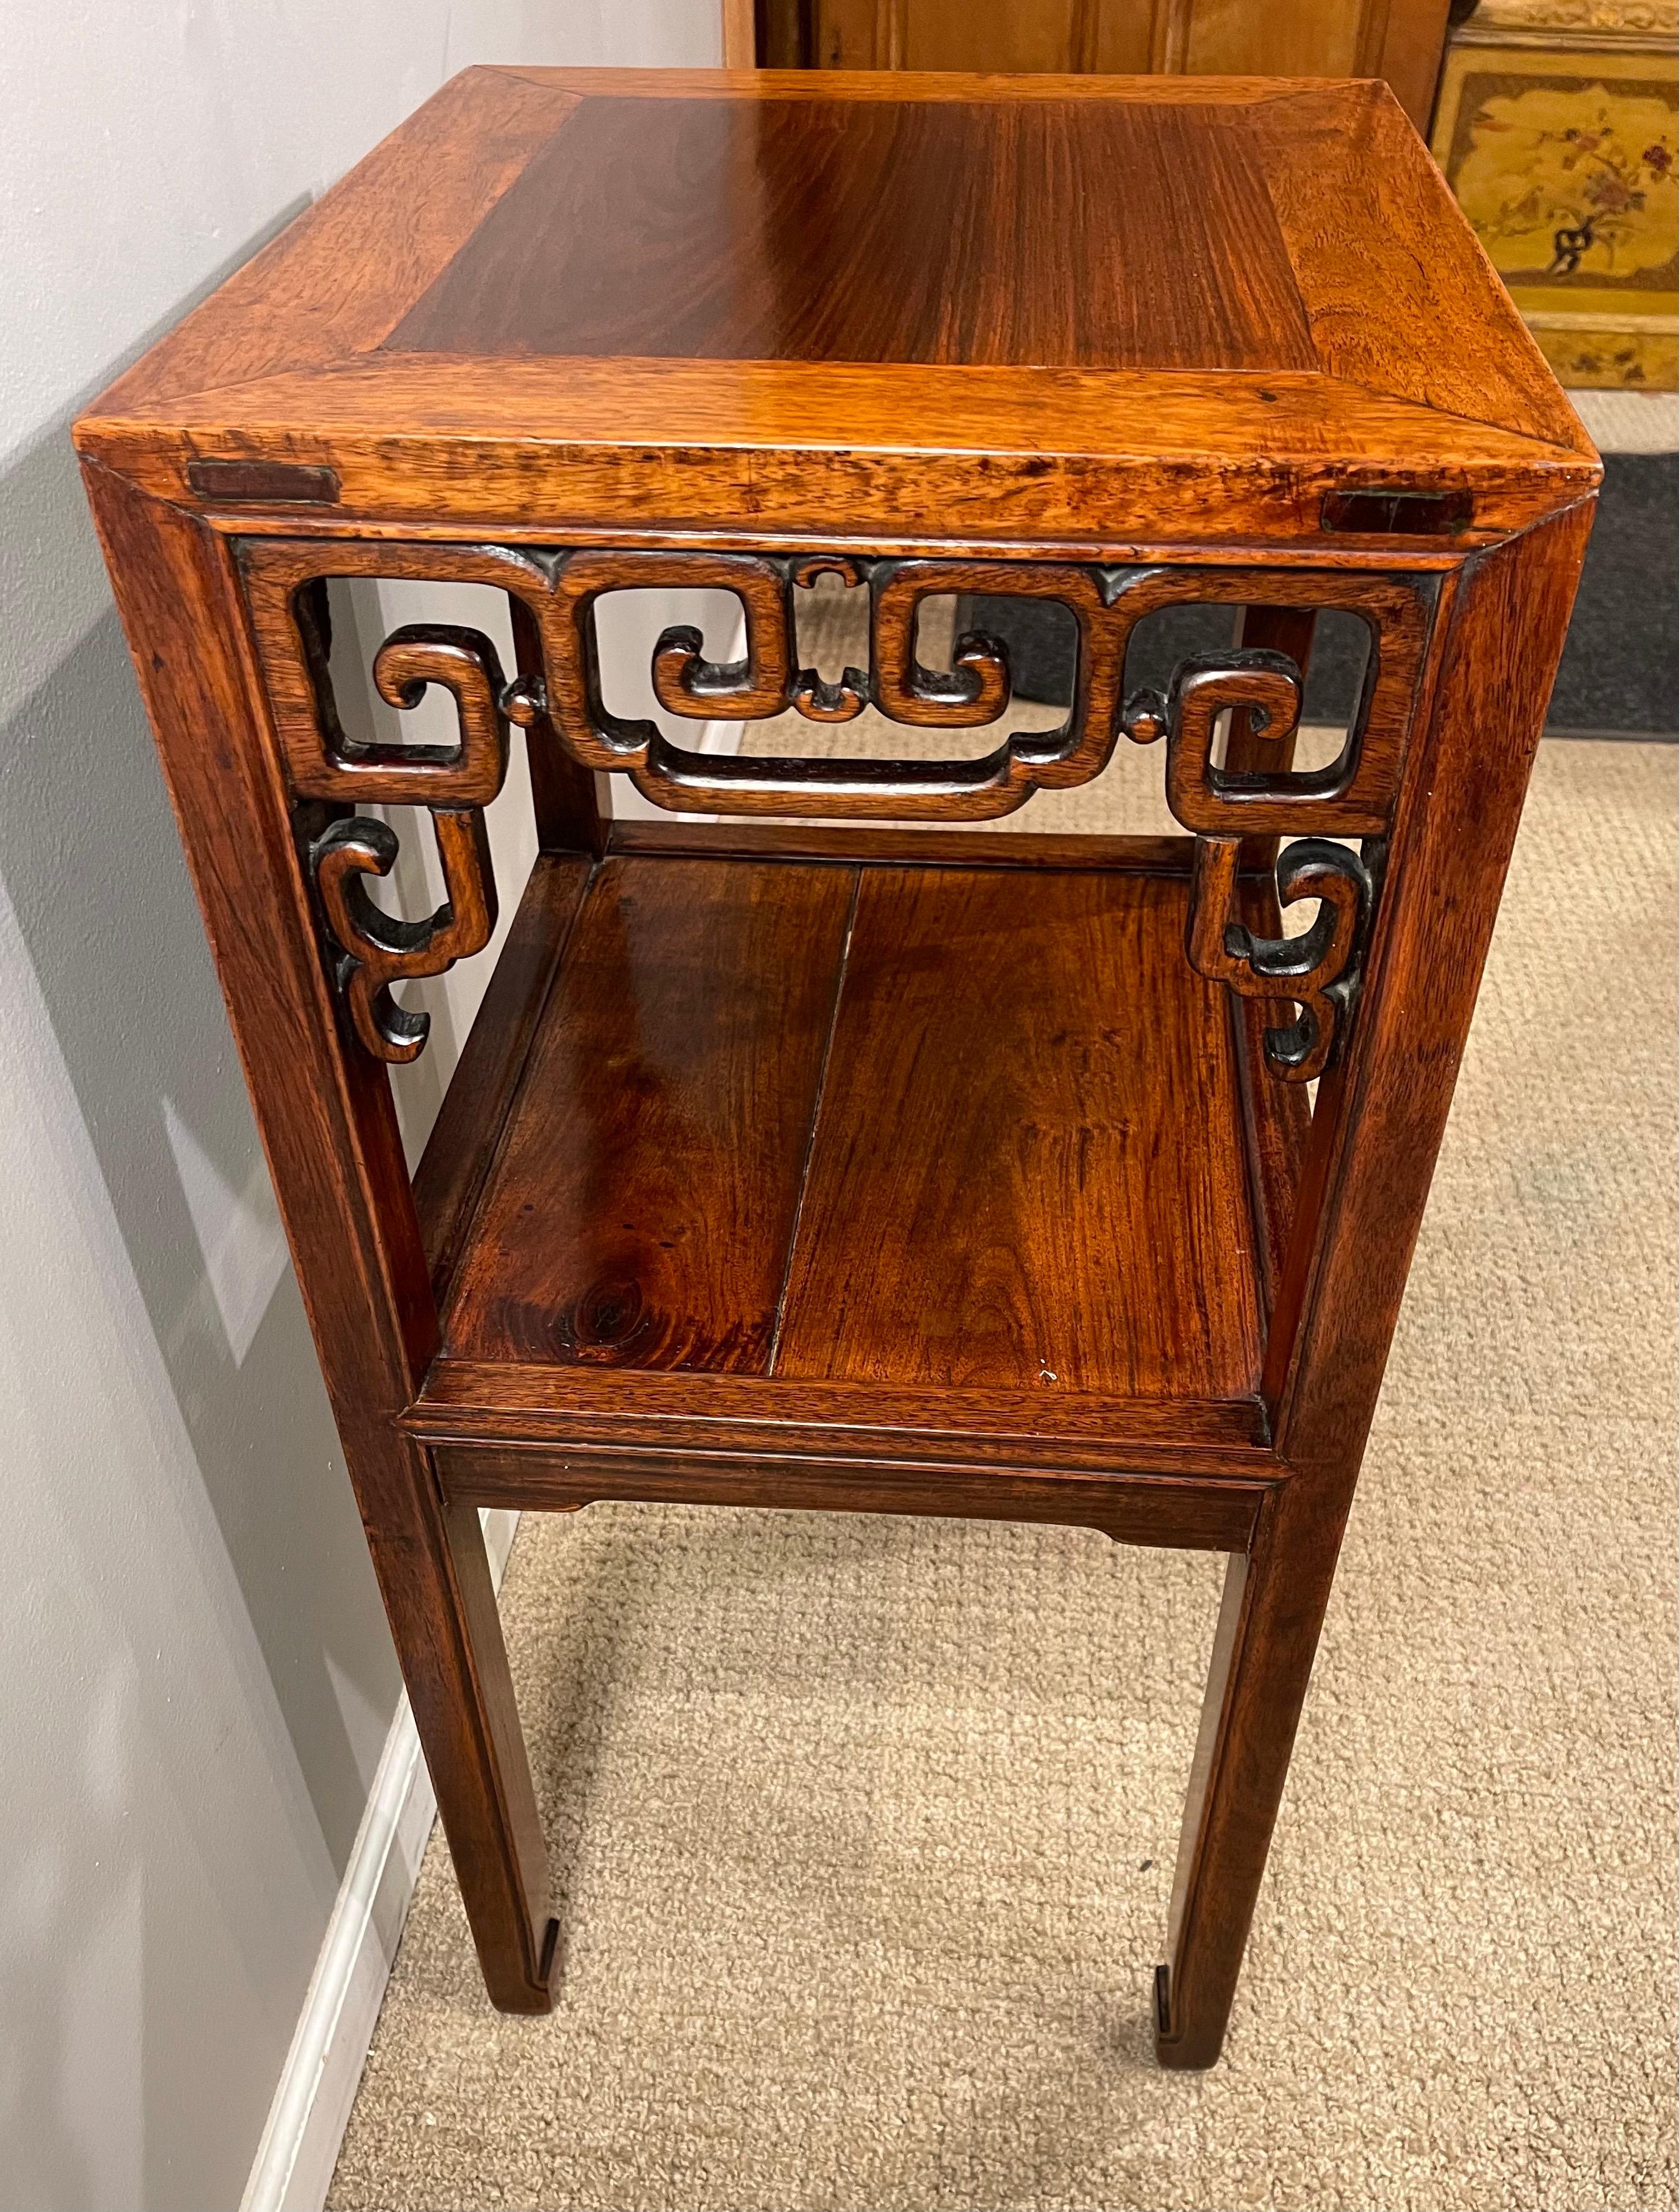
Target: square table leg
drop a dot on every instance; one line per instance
(324, 1111)
(1380, 1121)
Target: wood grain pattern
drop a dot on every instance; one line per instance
(469, 1123)
(330, 1132)
(1453, 843)
(1322, 321)
(1194, 1513)
(639, 1210)
(528, 1402)
(1025, 1171)
(1314, 418)
(1344, 170)
(874, 231)
(954, 454)
(875, 847)
(1452, 839)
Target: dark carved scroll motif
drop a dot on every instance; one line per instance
(1231, 813)
(1350, 797)
(374, 948)
(377, 949)
(767, 681)
(1317, 970)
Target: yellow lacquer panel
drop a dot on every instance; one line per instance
(1567, 164)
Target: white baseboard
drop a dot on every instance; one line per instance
(299, 2149)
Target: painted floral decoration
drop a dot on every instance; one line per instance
(1558, 194)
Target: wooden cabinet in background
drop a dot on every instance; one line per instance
(1399, 40)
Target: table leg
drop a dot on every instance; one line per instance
(1502, 634)
(328, 1125)
(1262, 1650)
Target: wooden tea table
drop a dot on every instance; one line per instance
(795, 1160)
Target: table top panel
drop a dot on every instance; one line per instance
(1121, 311)
(1054, 234)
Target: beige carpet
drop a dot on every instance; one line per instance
(864, 1828)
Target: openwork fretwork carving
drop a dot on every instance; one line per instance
(468, 774)
(562, 590)
(374, 948)
(766, 680)
(377, 949)
(1318, 969)
(1352, 797)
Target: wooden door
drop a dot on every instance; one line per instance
(1399, 40)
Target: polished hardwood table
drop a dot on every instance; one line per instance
(826, 1152)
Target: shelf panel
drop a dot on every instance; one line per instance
(933, 1132)
(1027, 1171)
(640, 1209)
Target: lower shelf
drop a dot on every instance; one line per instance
(851, 1130)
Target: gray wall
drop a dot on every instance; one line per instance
(197, 1676)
